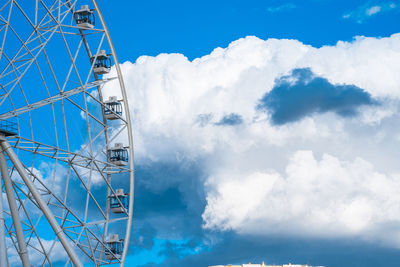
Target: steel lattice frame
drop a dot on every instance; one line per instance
(47, 86)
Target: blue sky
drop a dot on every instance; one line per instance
(191, 159)
(195, 28)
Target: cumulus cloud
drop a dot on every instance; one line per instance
(176, 103)
(301, 94)
(206, 112)
(325, 197)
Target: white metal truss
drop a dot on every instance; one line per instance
(55, 167)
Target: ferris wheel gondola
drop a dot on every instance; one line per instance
(66, 154)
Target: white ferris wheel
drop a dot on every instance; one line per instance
(66, 151)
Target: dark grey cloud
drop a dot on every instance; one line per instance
(151, 264)
(173, 250)
(237, 249)
(144, 237)
(230, 120)
(169, 201)
(303, 94)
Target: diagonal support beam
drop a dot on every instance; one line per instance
(12, 203)
(41, 203)
(3, 247)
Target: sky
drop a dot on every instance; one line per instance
(195, 28)
(264, 130)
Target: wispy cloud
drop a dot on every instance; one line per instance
(373, 10)
(280, 8)
(368, 10)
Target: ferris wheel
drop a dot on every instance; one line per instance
(66, 151)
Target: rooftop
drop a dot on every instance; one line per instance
(263, 265)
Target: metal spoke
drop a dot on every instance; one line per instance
(52, 99)
(60, 149)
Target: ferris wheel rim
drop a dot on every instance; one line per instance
(129, 130)
(130, 133)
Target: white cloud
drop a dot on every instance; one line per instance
(55, 250)
(326, 197)
(281, 8)
(373, 10)
(369, 9)
(168, 93)
(176, 105)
